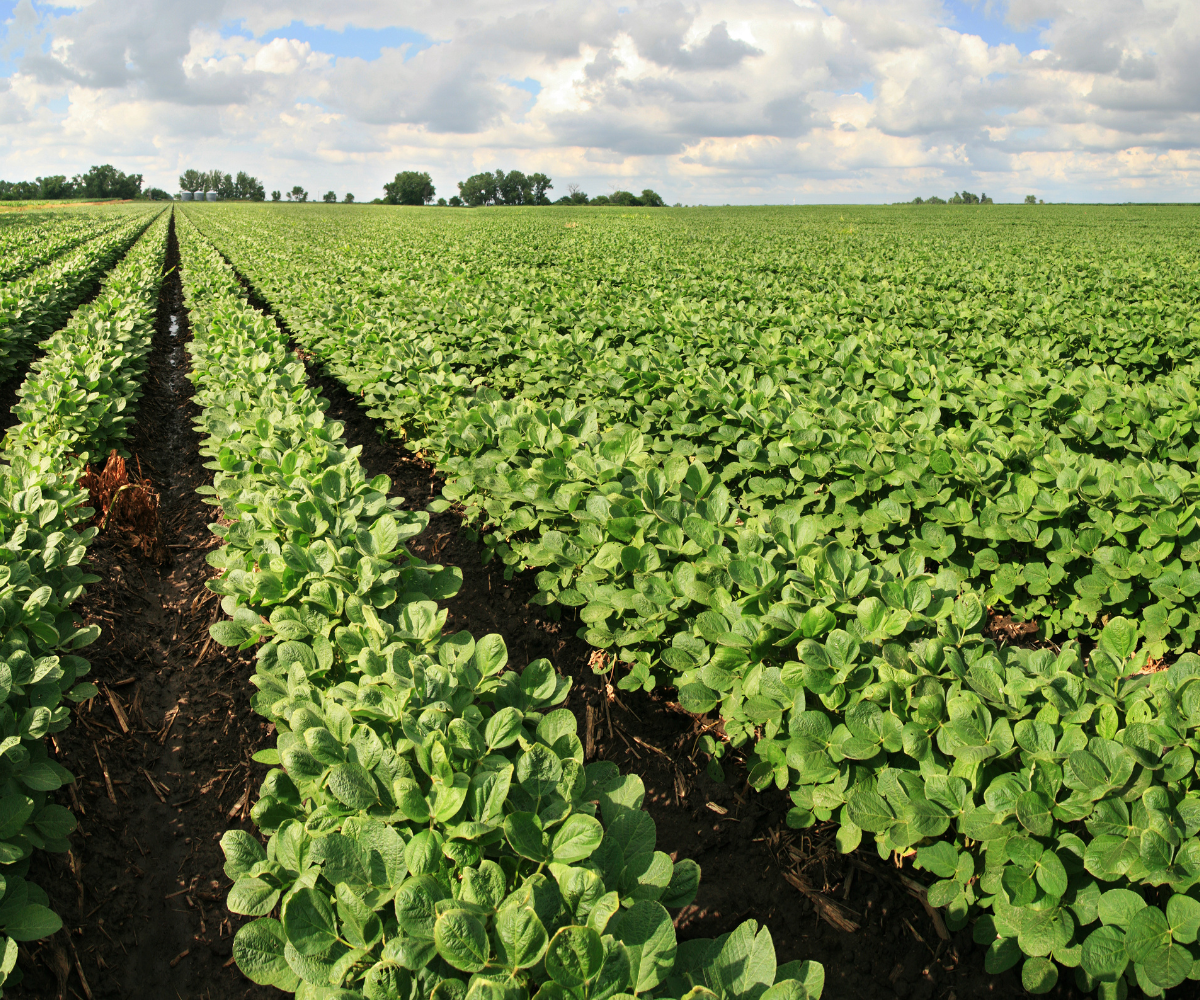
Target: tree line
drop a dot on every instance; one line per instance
(100, 182)
(959, 198)
(243, 187)
(412, 187)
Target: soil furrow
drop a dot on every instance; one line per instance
(169, 738)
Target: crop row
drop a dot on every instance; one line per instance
(89, 371)
(32, 246)
(806, 529)
(432, 825)
(33, 307)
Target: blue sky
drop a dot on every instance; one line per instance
(349, 42)
(989, 23)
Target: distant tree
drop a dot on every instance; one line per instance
(512, 188)
(624, 198)
(602, 199)
(1041, 201)
(191, 180)
(297, 194)
(274, 195)
(651, 199)
(964, 198)
(480, 189)
(455, 201)
(539, 184)
(226, 188)
(918, 200)
(1031, 199)
(984, 200)
(410, 187)
(349, 199)
(329, 197)
(441, 202)
(212, 180)
(107, 182)
(247, 188)
(935, 200)
(54, 187)
(575, 196)
(155, 194)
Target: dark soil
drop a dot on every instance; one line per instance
(142, 891)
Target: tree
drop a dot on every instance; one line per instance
(56, 186)
(441, 202)
(624, 198)
(191, 180)
(480, 189)
(156, 194)
(539, 184)
(349, 199)
(248, 188)
(512, 188)
(935, 200)
(297, 194)
(329, 197)
(410, 187)
(1031, 199)
(225, 187)
(455, 201)
(601, 199)
(575, 196)
(651, 199)
(274, 195)
(107, 182)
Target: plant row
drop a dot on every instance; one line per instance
(96, 356)
(31, 246)
(33, 307)
(432, 826)
(808, 537)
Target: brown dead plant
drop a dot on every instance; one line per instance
(125, 504)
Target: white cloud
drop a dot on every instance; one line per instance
(711, 100)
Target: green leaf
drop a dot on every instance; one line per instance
(523, 830)
(1169, 964)
(1039, 975)
(685, 880)
(575, 957)
(353, 786)
(1033, 813)
(1148, 929)
(523, 936)
(1183, 914)
(1119, 638)
(308, 922)
(1104, 956)
(258, 949)
(31, 922)
(461, 939)
(252, 897)
(577, 838)
(649, 938)
(1118, 906)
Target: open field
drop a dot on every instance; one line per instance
(586, 583)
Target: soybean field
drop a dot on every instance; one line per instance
(591, 602)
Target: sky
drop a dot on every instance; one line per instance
(753, 102)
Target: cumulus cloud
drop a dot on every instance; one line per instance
(703, 99)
